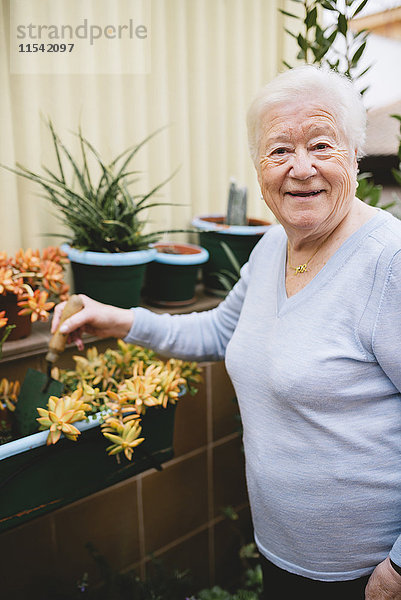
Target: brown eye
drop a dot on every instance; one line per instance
(321, 146)
(280, 151)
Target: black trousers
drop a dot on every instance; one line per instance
(282, 585)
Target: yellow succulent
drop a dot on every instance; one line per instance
(170, 386)
(60, 415)
(190, 371)
(92, 396)
(9, 391)
(140, 389)
(125, 436)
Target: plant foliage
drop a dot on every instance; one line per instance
(102, 215)
(315, 40)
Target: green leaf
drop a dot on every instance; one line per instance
(231, 257)
(310, 19)
(342, 24)
(358, 54)
(332, 36)
(327, 5)
(387, 206)
(364, 71)
(396, 175)
(359, 8)
(288, 14)
(54, 137)
(290, 33)
(302, 42)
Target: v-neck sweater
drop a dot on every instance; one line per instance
(318, 379)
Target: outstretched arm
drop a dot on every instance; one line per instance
(196, 336)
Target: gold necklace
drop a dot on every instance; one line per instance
(303, 268)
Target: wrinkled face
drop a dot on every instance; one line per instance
(306, 170)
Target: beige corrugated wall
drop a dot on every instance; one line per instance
(208, 59)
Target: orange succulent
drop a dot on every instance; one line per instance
(55, 254)
(3, 259)
(7, 283)
(3, 319)
(34, 277)
(35, 303)
(28, 261)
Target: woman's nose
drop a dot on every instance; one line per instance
(302, 166)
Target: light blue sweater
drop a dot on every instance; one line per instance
(318, 380)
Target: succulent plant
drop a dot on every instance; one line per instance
(9, 391)
(108, 370)
(60, 415)
(124, 434)
(35, 278)
(119, 385)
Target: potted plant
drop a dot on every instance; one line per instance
(108, 246)
(29, 282)
(117, 408)
(241, 239)
(171, 277)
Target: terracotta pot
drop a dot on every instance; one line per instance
(23, 324)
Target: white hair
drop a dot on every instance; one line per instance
(336, 91)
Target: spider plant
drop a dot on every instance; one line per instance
(228, 278)
(101, 213)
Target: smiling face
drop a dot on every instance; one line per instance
(306, 170)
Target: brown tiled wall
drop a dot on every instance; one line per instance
(174, 514)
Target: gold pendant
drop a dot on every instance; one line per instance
(301, 269)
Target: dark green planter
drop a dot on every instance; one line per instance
(240, 239)
(115, 279)
(40, 479)
(172, 276)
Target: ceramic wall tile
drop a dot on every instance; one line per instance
(174, 501)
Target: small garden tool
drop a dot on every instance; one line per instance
(37, 387)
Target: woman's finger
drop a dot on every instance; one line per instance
(75, 337)
(56, 316)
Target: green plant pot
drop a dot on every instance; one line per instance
(240, 239)
(115, 279)
(171, 278)
(36, 479)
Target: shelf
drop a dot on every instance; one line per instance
(37, 342)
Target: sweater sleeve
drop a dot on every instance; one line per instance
(386, 336)
(195, 336)
(386, 343)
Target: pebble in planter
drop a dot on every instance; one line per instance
(172, 276)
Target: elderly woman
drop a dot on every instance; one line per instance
(310, 336)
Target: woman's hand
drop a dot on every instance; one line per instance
(101, 320)
(384, 583)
